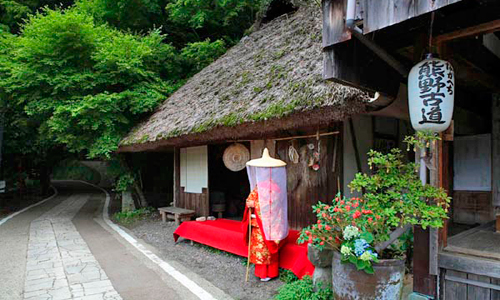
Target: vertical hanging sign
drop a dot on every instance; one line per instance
(431, 93)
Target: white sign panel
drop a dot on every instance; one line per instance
(431, 93)
(194, 169)
(2, 186)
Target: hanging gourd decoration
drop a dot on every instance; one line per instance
(431, 93)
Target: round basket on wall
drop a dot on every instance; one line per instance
(235, 157)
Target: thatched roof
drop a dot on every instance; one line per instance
(269, 82)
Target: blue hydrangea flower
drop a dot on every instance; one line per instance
(360, 245)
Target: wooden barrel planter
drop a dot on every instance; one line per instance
(386, 284)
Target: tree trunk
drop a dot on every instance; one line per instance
(45, 179)
(135, 186)
(142, 199)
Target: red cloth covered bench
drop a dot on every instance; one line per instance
(226, 235)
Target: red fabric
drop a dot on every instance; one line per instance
(271, 245)
(226, 235)
(265, 271)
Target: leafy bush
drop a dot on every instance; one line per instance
(303, 289)
(394, 199)
(74, 170)
(287, 276)
(130, 217)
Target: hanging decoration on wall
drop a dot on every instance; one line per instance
(431, 93)
(293, 155)
(316, 155)
(235, 157)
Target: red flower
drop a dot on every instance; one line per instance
(322, 243)
(310, 239)
(308, 232)
(347, 208)
(319, 222)
(330, 238)
(378, 217)
(366, 211)
(323, 215)
(337, 240)
(355, 205)
(342, 202)
(327, 227)
(370, 219)
(319, 226)
(327, 206)
(357, 214)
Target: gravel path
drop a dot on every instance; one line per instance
(224, 270)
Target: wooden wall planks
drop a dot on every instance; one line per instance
(472, 207)
(305, 186)
(194, 201)
(380, 14)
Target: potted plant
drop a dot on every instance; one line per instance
(360, 230)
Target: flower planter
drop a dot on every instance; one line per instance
(322, 261)
(349, 283)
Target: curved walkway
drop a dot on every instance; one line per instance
(62, 249)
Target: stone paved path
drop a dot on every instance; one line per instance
(65, 249)
(59, 264)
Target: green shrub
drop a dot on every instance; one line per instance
(303, 289)
(287, 276)
(130, 217)
(74, 170)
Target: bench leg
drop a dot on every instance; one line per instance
(177, 221)
(163, 217)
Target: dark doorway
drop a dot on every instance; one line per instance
(228, 189)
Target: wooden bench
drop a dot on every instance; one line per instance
(175, 213)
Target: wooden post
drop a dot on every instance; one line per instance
(177, 176)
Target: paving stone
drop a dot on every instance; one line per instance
(59, 263)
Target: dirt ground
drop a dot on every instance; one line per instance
(224, 270)
(12, 202)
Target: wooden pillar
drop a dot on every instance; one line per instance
(495, 160)
(424, 281)
(177, 176)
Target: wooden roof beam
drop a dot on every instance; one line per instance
(483, 28)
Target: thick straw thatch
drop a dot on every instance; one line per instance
(271, 81)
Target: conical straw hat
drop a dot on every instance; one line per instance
(266, 161)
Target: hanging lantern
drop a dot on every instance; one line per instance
(431, 93)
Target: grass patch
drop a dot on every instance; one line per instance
(287, 276)
(303, 289)
(130, 217)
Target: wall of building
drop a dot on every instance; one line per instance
(372, 132)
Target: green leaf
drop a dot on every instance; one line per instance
(367, 236)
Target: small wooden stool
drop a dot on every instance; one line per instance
(175, 213)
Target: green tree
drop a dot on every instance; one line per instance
(86, 85)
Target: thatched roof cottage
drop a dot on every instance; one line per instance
(267, 90)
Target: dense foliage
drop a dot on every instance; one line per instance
(393, 198)
(78, 75)
(303, 289)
